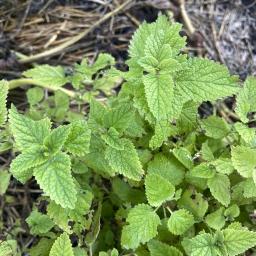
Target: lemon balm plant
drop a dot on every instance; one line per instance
(140, 173)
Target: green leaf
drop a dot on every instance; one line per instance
(206, 152)
(223, 165)
(96, 158)
(3, 95)
(167, 167)
(62, 246)
(163, 130)
(156, 195)
(55, 178)
(8, 248)
(22, 166)
(47, 75)
(232, 211)
(55, 141)
(102, 61)
(243, 159)
(238, 241)
(159, 94)
(202, 245)
(188, 117)
(59, 215)
(194, 203)
(246, 133)
(205, 80)
(216, 220)
(246, 99)
(4, 181)
(126, 193)
(219, 186)
(112, 139)
(249, 188)
(180, 221)
(158, 248)
(184, 156)
(27, 132)
(119, 117)
(35, 95)
(142, 227)
(78, 141)
(78, 251)
(39, 223)
(162, 25)
(82, 207)
(215, 127)
(203, 170)
(125, 161)
(42, 248)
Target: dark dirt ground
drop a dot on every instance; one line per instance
(221, 30)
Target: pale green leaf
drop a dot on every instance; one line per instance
(249, 188)
(159, 94)
(55, 178)
(62, 246)
(59, 215)
(55, 141)
(215, 127)
(180, 221)
(203, 170)
(216, 220)
(39, 223)
(8, 248)
(27, 132)
(188, 117)
(243, 159)
(125, 161)
(102, 61)
(246, 99)
(47, 75)
(238, 241)
(246, 133)
(4, 181)
(3, 96)
(35, 95)
(232, 211)
(206, 152)
(184, 156)
(42, 248)
(205, 80)
(22, 166)
(223, 165)
(142, 227)
(167, 167)
(119, 117)
(157, 195)
(158, 248)
(163, 130)
(170, 30)
(112, 139)
(194, 203)
(96, 158)
(202, 245)
(78, 140)
(219, 186)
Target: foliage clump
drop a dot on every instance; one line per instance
(142, 173)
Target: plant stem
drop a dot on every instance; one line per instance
(26, 81)
(61, 47)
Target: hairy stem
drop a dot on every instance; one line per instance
(27, 81)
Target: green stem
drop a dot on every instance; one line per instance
(27, 81)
